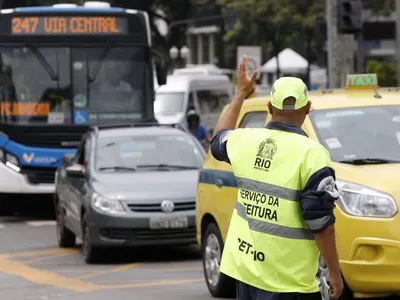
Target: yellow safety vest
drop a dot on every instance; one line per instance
(269, 245)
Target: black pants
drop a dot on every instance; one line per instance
(247, 292)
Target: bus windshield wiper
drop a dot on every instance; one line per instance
(117, 168)
(367, 161)
(99, 63)
(53, 75)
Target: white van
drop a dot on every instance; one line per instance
(207, 94)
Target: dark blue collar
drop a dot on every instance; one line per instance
(285, 127)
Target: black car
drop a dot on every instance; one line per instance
(131, 186)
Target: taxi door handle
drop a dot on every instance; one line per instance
(219, 183)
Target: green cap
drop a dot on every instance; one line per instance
(286, 87)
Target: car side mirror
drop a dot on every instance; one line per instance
(75, 171)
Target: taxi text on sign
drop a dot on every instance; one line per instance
(361, 81)
(68, 25)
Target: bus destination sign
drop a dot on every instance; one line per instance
(68, 25)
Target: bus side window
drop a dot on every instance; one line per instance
(212, 101)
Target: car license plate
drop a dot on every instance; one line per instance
(168, 223)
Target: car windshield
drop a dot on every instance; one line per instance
(173, 152)
(360, 133)
(65, 85)
(167, 103)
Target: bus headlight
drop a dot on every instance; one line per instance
(9, 160)
(104, 204)
(361, 201)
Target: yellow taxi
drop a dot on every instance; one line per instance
(360, 126)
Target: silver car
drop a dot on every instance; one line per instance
(129, 187)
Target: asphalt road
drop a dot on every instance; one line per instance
(32, 267)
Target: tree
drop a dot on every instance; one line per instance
(385, 70)
(379, 7)
(274, 24)
(167, 10)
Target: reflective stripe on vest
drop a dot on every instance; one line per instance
(269, 245)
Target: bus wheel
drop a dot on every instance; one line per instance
(219, 285)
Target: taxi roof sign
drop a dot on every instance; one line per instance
(362, 81)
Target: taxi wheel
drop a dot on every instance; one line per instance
(90, 253)
(65, 237)
(323, 282)
(219, 285)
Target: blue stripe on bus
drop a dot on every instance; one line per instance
(35, 156)
(39, 9)
(224, 178)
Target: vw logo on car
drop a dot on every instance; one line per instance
(167, 206)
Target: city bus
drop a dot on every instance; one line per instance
(64, 68)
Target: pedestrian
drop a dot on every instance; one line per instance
(196, 128)
(283, 219)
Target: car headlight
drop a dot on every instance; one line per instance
(104, 204)
(9, 160)
(360, 201)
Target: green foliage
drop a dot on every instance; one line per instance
(273, 24)
(379, 6)
(385, 70)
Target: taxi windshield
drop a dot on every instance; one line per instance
(359, 133)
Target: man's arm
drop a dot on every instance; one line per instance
(218, 145)
(317, 203)
(245, 86)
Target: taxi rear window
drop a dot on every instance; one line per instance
(359, 132)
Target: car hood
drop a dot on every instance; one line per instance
(383, 177)
(153, 185)
(172, 118)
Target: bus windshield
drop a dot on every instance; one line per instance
(73, 85)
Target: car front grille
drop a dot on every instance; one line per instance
(39, 175)
(146, 234)
(156, 207)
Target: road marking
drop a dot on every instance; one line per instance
(2, 226)
(45, 259)
(46, 277)
(54, 251)
(153, 283)
(114, 270)
(41, 223)
(181, 269)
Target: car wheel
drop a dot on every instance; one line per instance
(219, 285)
(90, 253)
(65, 237)
(323, 282)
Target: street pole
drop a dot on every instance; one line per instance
(398, 40)
(340, 49)
(329, 27)
(360, 53)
